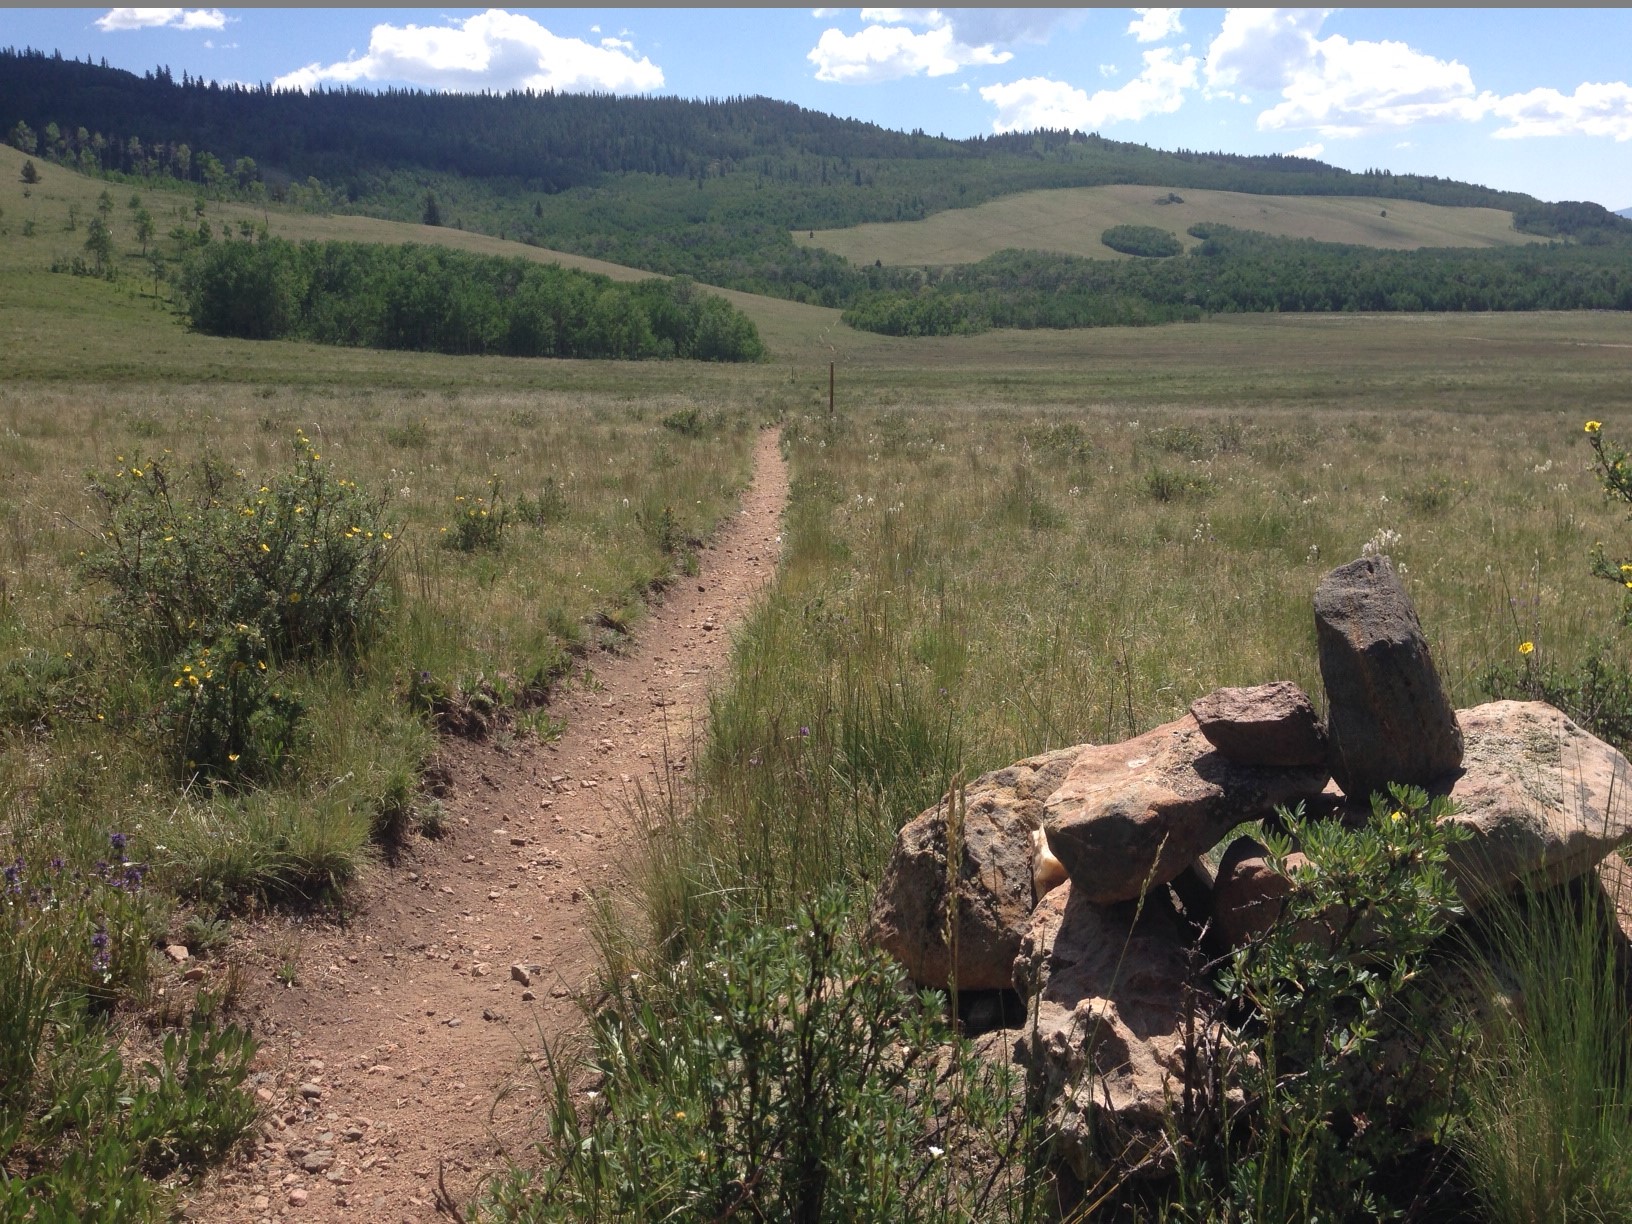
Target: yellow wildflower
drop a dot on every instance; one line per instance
(232, 756)
(1594, 426)
(1397, 816)
(1526, 647)
(294, 596)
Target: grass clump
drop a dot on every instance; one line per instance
(787, 1074)
(1546, 1129)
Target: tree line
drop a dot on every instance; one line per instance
(1237, 271)
(433, 299)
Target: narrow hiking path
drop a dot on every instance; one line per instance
(400, 1050)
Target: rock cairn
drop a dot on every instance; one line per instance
(1082, 877)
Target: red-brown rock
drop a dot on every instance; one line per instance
(1135, 814)
(1113, 1007)
(1267, 724)
(1387, 715)
(995, 893)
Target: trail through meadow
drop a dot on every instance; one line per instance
(400, 1054)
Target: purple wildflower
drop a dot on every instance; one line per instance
(133, 876)
(99, 945)
(804, 732)
(118, 841)
(14, 878)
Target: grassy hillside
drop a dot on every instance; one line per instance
(1070, 220)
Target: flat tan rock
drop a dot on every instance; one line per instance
(1545, 800)
(1267, 724)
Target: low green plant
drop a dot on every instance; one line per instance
(232, 720)
(550, 506)
(1324, 1078)
(786, 1074)
(479, 522)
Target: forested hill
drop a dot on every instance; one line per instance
(551, 142)
(709, 189)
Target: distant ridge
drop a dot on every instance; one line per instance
(1625, 212)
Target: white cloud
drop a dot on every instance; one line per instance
(1308, 150)
(1592, 110)
(1153, 24)
(1037, 102)
(493, 50)
(887, 53)
(1332, 85)
(1108, 70)
(896, 16)
(149, 19)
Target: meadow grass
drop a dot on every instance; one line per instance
(996, 545)
(966, 587)
(1070, 220)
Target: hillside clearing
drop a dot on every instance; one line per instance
(1071, 219)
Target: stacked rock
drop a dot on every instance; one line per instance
(1107, 955)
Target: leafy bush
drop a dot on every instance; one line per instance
(789, 1075)
(231, 718)
(190, 557)
(1146, 240)
(1323, 1069)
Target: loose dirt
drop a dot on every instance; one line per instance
(400, 1054)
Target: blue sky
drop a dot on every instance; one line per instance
(1535, 100)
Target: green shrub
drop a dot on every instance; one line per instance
(230, 717)
(788, 1074)
(295, 560)
(1146, 240)
(1324, 1072)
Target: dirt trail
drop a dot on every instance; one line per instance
(403, 1028)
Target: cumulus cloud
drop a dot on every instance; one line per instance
(1332, 85)
(1037, 102)
(1308, 150)
(1153, 25)
(150, 19)
(899, 16)
(494, 50)
(899, 42)
(1592, 110)
(889, 52)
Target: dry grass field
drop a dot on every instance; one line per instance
(1071, 219)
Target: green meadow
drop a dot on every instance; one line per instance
(996, 545)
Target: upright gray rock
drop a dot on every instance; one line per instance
(1114, 1003)
(1544, 800)
(1139, 813)
(994, 889)
(1386, 712)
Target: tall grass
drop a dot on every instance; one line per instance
(1547, 1128)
